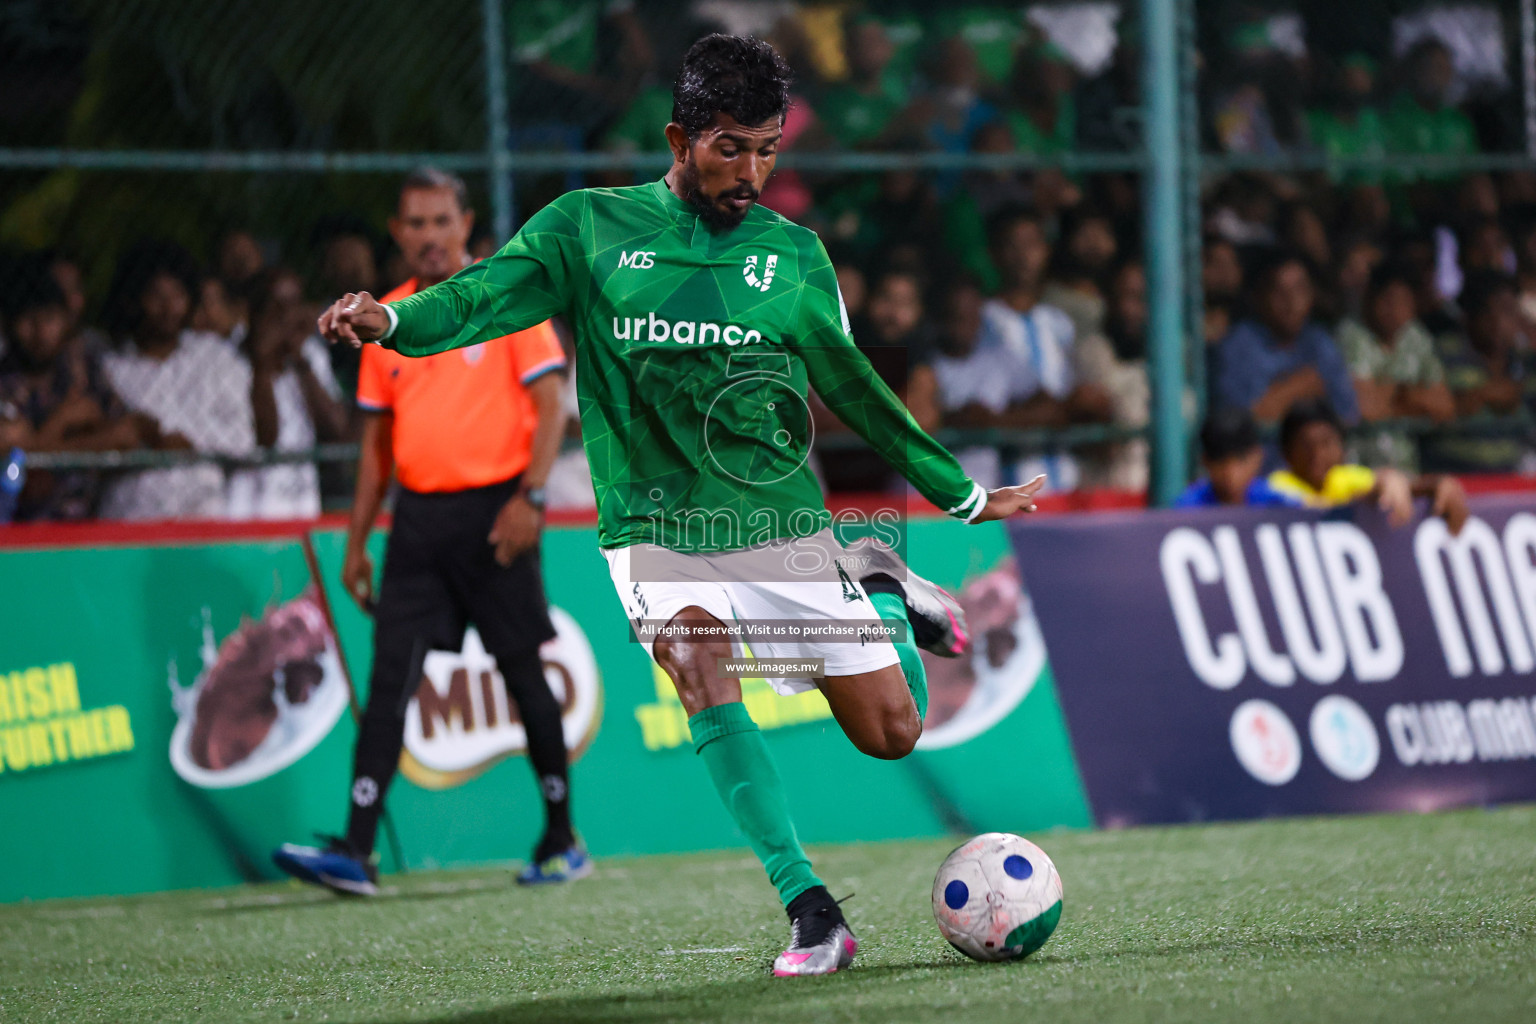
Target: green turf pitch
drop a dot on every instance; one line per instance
(1400, 918)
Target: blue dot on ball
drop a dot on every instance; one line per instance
(1018, 867)
(956, 894)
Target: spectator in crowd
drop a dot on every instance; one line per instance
(1281, 355)
(1488, 370)
(1243, 120)
(574, 62)
(1233, 459)
(67, 275)
(219, 312)
(1348, 124)
(1041, 111)
(970, 379)
(1525, 268)
(193, 386)
(860, 111)
(347, 264)
(1358, 258)
(1115, 360)
(1080, 268)
(347, 261)
(1419, 252)
(1242, 211)
(852, 283)
(238, 259)
(53, 397)
(1301, 230)
(1040, 337)
(1316, 475)
(894, 334)
(953, 108)
(981, 194)
(295, 401)
(1395, 367)
(872, 216)
(1422, 121)
(1221, 270)
(1482, 244)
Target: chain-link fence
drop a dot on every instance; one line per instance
(277, 134)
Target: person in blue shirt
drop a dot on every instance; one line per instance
(1233, 459)
(1281, 356)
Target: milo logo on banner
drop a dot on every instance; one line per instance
(461, 720)
(264, 698)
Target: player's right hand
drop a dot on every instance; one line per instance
(1005, 501)
(357, 577)
(356, 317)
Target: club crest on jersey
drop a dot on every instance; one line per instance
(750, 273)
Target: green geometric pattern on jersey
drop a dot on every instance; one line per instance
(694, 352)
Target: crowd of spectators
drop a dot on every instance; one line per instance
(987, 298)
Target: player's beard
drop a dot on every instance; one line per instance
(714, 216)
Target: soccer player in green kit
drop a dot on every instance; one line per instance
(701, 321)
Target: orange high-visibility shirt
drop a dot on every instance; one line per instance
(463, 418)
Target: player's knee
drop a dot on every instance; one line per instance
(895, 735)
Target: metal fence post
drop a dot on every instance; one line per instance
(1162, 188)
(1189, 134)
(498, 157)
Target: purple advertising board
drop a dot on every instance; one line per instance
(1235, 663)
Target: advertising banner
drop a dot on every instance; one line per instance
(170, 712)
(164, 712)
(1238, 663)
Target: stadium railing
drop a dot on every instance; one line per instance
(1015, 441)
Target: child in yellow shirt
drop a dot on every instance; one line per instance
(1316, 475)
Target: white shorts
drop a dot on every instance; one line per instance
(803, 583)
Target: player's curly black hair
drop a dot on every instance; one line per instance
(741, 77)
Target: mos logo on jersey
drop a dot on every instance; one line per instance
(637, 259)
(750, 273)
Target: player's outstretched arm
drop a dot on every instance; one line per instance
(1005, 501)
(530, 280)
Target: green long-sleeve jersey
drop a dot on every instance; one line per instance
(694, 353)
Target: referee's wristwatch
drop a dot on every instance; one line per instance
(533, 496)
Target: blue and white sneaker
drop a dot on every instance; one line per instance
(334, 867)
(566, 866)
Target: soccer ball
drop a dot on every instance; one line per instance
(998, 897)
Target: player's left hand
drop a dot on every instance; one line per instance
(516, 529)
(1005, 501)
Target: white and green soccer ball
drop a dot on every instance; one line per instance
(997, 897)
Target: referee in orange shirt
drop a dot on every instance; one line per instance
(471, 434)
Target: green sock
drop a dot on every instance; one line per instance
(891, 608)
(748, 783)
